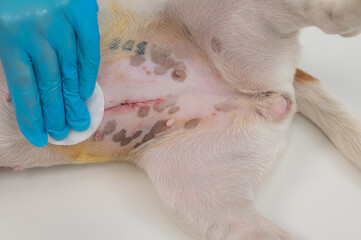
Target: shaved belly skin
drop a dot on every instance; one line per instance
(154, 87)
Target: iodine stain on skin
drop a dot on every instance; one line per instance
(193, 123)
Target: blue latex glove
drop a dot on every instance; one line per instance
(50, 53)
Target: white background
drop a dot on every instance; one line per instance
(314, 193)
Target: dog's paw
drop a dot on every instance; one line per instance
(336, 17)
(247, 232)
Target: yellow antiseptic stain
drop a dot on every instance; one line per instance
(91, 152)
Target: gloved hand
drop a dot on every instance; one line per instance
(50, 52)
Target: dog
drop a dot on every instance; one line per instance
(200, 94)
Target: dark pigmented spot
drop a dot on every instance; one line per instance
(179, 72)
(159, 55)
(143, 111)
(137, 60)
(159, 127)
(173, 110)
(114, 45)
(179, 75)
(137, 134)
(193, 123)
(162, 57)
(110, 127)
(122, 138)
(146, 138)
(216, 45)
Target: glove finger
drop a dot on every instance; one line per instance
(48, 76)
(76, 113)
(24, 94)
(88, 47)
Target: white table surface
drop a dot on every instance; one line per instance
(314, 193)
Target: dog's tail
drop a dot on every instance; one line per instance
(330, 115)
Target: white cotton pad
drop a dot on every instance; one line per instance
(95, 106)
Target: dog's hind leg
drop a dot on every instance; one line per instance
(331, 16)
(210, 191)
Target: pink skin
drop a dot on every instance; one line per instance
(127, 89)
(134, 94)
